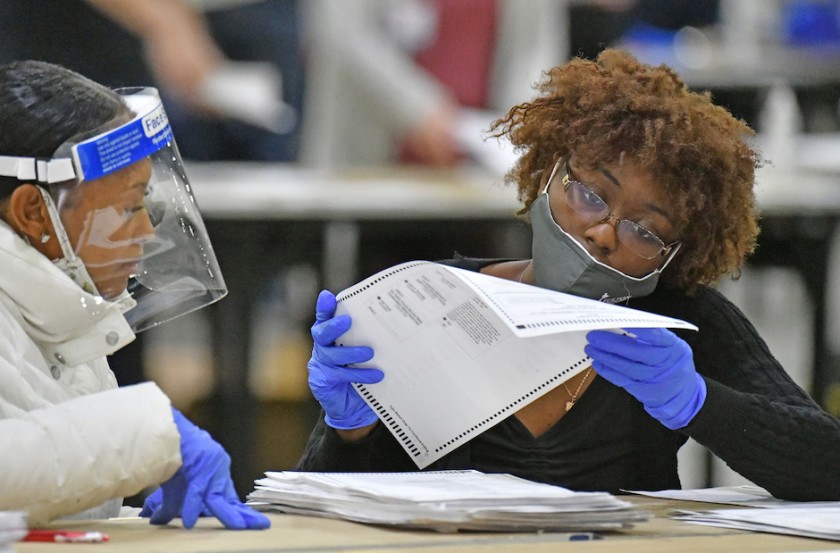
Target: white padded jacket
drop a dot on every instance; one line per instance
(66, 447)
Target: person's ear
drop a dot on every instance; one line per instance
(27, 214)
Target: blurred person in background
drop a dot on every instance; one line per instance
(390, 79)
(180, 46)
(414, 83)
(598, 24)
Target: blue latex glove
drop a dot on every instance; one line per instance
(656, 367)
(201, 486)
(329, 376)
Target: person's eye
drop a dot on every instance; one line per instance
(135, 209)
(589, 196)
(644, 233)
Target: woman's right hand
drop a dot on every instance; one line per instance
(330, 378)
(202, 486)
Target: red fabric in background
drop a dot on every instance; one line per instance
(462, 52)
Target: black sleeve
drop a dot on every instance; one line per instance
(755, 418)
(379, 451)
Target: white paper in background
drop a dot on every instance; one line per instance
(472, 132)
(461, 351)
(251, 92)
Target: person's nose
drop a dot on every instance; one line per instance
(604, 234)
(143, 230)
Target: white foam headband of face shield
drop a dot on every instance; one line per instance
(31, 169)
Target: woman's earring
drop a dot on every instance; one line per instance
(45, 238)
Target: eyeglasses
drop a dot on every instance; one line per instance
(588, 204)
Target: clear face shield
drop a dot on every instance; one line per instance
(130, 230)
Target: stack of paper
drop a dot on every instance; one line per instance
(814, 519)
(12, 529)
(445, 501)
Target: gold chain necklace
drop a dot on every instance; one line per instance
(573, 396)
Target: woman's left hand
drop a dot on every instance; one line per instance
(655, 366)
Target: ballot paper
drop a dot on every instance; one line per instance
(462, 350)
(445, 501)
(802, 519)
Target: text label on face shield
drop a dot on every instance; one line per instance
(155, 123)
(123, 146)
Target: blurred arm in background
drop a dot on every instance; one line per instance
(177, 43)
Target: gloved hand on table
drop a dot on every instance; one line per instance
(655, 366)
(202, 486)
(329, 376)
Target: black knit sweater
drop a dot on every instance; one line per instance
(755, 418)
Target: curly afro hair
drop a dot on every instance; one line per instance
(614, 107)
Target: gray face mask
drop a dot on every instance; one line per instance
(561, 263)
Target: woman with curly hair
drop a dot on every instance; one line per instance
(638, 191)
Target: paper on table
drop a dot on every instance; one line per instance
(462, 350)
(728, 495)
(800, 520)
(746, 495)
(443, 501)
